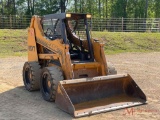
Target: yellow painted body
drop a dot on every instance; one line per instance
(37, 40)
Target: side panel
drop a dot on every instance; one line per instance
(32, 48)
(100, 56)
(57, 46)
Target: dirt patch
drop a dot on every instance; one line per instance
(17, 103)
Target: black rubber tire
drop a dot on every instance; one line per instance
(31, 76)
(111, 69)
(49, 80)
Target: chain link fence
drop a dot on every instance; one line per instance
(14, 21)
(126, 24)
(98, 24)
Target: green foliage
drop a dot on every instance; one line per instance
(46, 7)
(117, 8)
(13, 42)
(118, 42)
(157, 8)
(29, 7)
(98, 8)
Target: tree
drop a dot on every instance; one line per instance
(157, 8)
(63, 5)
(98, 8)
(2, 7)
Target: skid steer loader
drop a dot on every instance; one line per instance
(70, 68)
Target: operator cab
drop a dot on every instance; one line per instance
(77, 30)
(74, 30)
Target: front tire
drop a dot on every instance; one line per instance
(31, 75)
(50, 78)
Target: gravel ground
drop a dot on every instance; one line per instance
(17, 103)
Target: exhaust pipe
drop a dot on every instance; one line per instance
(87, 96)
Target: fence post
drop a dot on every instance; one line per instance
(10, 17)
(159, 25)
(3, 24)
(122, 24)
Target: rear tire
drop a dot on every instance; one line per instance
(111, 69)
(50, 78)
(31, 75)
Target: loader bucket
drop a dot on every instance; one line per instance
(86, 96)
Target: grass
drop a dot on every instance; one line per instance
(14, 42)
(118, 42)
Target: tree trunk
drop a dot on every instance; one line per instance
(75, 5)
(99, 8)
(106, 8)
(146, 9)
(62, 5)
(28, 4)
(33, 7)
(2, 7)
(80, 6)
(14, 5)
(146, 14)
(124, 14)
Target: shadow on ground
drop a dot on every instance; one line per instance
(18, 103)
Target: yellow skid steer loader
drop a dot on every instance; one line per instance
(70, 68)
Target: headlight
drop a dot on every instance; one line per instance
(68, 15)
(88, 16)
